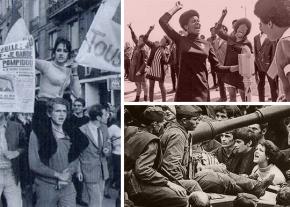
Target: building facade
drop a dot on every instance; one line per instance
(71, 19)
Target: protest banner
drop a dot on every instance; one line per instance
(101, 47)
(17, 77)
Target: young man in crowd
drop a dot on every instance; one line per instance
(53, 156)
(264, 51)
(12, 140)
(225, 153)
(244, 148)
(78, 119)
(274, 16)
(93, 162)
(226, 112)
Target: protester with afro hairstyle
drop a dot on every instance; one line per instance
(237, 43)
(193, 51)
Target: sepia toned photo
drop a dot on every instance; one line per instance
(206, 51)
(206, 155)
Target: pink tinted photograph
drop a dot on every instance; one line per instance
(205, 51)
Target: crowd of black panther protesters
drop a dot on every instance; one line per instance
(65, 153)
(162, 168)
(186, 53)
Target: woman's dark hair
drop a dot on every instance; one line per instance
(61, 40)
(271, 151)
(244, 21)
(185, 16)
(276, 11)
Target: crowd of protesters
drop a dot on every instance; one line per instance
(191, 58)
(164, 167)
(65, 153)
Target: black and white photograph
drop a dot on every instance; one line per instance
(60, 103)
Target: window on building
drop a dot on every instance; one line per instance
(1, 40)
(74, 34)
(88, 71)
(52, 2)
(36, 43)
(52, 38)
(35, 8)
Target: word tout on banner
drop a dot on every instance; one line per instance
(101, 48)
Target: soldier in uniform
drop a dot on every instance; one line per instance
(145, 185)
(174, 143)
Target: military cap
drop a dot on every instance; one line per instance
(183, 19)
(187, 111)
(170, 108)
(154, 113)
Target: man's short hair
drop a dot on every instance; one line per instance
(82, 101)
(54, 101)
(245, 133)
(276, 11)
(95, 111)
(231, 111)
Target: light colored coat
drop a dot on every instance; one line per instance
(93, 162)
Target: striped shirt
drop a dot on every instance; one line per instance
(156, 71)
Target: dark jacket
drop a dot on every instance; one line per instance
(48, 146)
(242, 163)
(174, 144)
(143, 158)
(263, 53)
(137, 62)
(192, 55)
(15, 137)
(234, 48)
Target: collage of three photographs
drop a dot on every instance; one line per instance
(144, 103)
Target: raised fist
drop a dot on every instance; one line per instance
(178, 5)
(225, 11)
